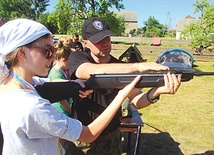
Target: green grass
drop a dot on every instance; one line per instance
(180, 124)
(187, 118)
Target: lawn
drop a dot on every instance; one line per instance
(182, 124)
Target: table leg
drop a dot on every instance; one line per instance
(137, 143)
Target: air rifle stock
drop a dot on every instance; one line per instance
(118, 81)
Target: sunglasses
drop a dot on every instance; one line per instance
(49, 51)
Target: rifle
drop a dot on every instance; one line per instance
(118, 81)
(56, 91)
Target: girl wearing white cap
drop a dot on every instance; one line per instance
(29, 123)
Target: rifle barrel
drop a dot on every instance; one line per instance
(203, 73)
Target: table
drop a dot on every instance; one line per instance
(132, 124)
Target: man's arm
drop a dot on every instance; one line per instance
(85, 69)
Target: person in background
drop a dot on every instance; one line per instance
(67, 41)
(75, 44)
(97, 59)
(33, 125)
(57, 72)
(59, 44)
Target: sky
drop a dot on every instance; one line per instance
(166, 12)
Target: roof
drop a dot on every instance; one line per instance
(183, 22)
(129, 16)
(189, 17)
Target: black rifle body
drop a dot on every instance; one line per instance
(118, 81)
(56, 91)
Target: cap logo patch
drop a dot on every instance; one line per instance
(98, 25)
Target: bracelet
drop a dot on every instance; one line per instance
(152, 100)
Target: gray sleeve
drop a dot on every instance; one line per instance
(44, 121)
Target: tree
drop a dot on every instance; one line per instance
(63, 16)
(70, 14)
(200, 33)
(85, 9)
(38, 7)
(115, 22)
(153, 28)
(31, 9)
(201, 5)
(50, 24)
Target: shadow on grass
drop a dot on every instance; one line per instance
(153, 144)
(210, 152)
(160, 143)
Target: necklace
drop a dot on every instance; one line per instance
(22, 81)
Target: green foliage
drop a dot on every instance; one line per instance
(116, 23)
(201, 33)
(104, 5)
(208, 19)
(31, 9)
(50, 24)
(69, 15)
(200, 6)
(153, 28)
(63, 16)
(90, 8)
(139, 31)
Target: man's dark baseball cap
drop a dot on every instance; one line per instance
(95, 29)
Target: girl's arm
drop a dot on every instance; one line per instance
(93, 130)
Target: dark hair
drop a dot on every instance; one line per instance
(75, 35)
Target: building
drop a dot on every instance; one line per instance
(182, 23)
(130, 19)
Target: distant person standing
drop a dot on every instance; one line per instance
(76, 45)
